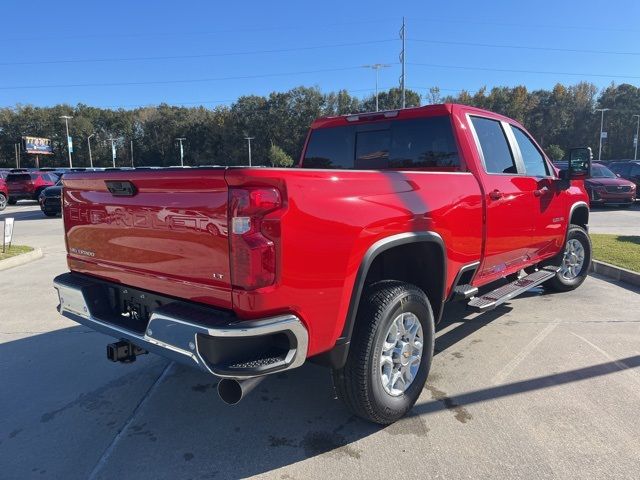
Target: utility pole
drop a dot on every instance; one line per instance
(377, 67)
(15, 147)
(131, 152)
(69, 144)
(248, 139)
(181, 151)
(636, 139)
(402, 62)
(89, 145)
(113, 151)
(601, 127)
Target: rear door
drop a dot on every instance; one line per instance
(508, 197)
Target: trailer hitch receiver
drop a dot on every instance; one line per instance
(124, 351)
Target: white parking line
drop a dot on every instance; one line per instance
(633, 374)
(517, 360)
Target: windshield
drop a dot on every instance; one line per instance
(600, 171)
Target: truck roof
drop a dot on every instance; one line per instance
(412, 112)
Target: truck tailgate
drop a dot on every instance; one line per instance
(164, 231)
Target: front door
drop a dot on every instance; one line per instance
(548, 217)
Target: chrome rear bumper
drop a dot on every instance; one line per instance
(174, 332)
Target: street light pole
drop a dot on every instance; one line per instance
(113, 151)
(636, 139)
(89, 145)
(248, 139)
(377, 67)
(66, 123)
(181, 151)
(602, 110)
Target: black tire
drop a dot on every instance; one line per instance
(12, 201)
(50, 214)
(561, 284)
(358, 383)
(3, 202)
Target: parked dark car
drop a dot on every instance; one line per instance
(628, 170)
(606, 188)
(49, 200)
(26, 185)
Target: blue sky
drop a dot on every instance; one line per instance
(221, 50)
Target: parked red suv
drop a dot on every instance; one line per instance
(4, 192)
(25, 185)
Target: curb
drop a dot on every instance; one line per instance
(615, 273)
(11, 262)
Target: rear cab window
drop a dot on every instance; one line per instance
(421, 143)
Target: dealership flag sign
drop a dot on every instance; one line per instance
(7, 234)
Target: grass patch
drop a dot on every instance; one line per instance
(14, 250)
(620, 250)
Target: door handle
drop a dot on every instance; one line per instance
(495, 194)
(541, 191)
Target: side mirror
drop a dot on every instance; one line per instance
(579, 166)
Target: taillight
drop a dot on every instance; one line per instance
(252, 236)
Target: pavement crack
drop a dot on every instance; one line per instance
(114, 442)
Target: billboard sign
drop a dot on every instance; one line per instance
(37, 145)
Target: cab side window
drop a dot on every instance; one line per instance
(495, 148)
(534, 163)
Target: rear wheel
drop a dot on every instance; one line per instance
(576, 261)
(390, 354)
(3, 202)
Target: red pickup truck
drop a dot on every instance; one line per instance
(346, 260)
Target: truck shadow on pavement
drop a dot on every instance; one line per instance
(153, 419)
(27, 215)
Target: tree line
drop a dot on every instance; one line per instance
(560, 118)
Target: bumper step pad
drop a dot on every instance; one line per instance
(492, 299)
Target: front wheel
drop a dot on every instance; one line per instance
(390, 354)
(576, 261)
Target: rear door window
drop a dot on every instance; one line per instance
(18, 177)
(495, 148)
(402, 144)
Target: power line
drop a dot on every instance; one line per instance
(468, 21)
(194, 56)
(506, 70)
(169, 82)
(172, 33)
(219, 102)
(524, 47)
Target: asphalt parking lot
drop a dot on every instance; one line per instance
(547, 386)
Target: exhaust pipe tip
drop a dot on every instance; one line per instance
(231, 391)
